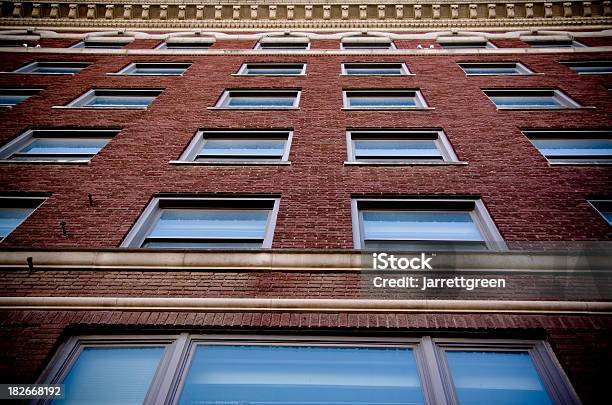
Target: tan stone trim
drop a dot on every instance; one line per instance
(138, 259)
(317, 52)
(299, 305)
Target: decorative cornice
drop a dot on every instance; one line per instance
(313, 14)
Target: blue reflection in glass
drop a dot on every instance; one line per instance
(112, 375)
(120, 101)
(490, 71)
(12, 99)
(254, 101)
(381, 101)
(574, 147)
(243, 147)
(50, 146)
(396, 147)
(500, 378)
(526, 101)
(10, 218)
(204, 223)
(417, 225)
(279, 375)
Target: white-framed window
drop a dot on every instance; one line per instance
(465, 43)
(572, 146)
(494, 68)
(417, 224)
(239, 146)
(11, 97)
(544, 42)
(14, 210)
(530, 99)
(386, 69)
(272, 69)
(591, 67)
(155, 69)
(205, 223)
(260, 99)
(383, 99)
(399, 146)
(188, 369)
(116, 98)
(53, 68)
(103, 43)
(283, 44)
(187, 44)
(604, 207)
(57, 145)
(366, 43)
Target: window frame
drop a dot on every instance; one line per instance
(520, 68)
(282, 46)
(201, 45)
(25, 138)
(404, 70)
(532, 134)
(595, 201)
(545, 43)
(103, 43)
(367, 46)
(552, 377)
(168, 382)
(244, 69)
(441, 142)
(90, 95)
(420, 102)
(29, 92)
(31, 67)
(224, 100)
(576, 63)
(132, 67)
(34, 202)
(198, 141)
(467, 45)
(491, 237)
(565, 101)
(137, 235)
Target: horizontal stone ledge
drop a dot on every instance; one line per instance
(300, 305)
(292, 260)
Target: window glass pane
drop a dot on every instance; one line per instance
(573, 147)
(283, 46)
(490, 70)
(526, 101)
(396, 148)
(496, 378)
(111, 375)
(418, 225)
(123, 101)
(10, 218)
(154, 244)
(64, 146)
(273, 70)
(157, 71)
(381, 101)
(260, 101)
(302, 375)
(373, 70)
(243, 147)
(12, 99)
(202, 223)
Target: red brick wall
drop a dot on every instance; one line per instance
(528, 199)
(581, 343)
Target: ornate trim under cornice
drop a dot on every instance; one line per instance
(313, 14)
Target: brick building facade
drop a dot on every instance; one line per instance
(77, 276)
